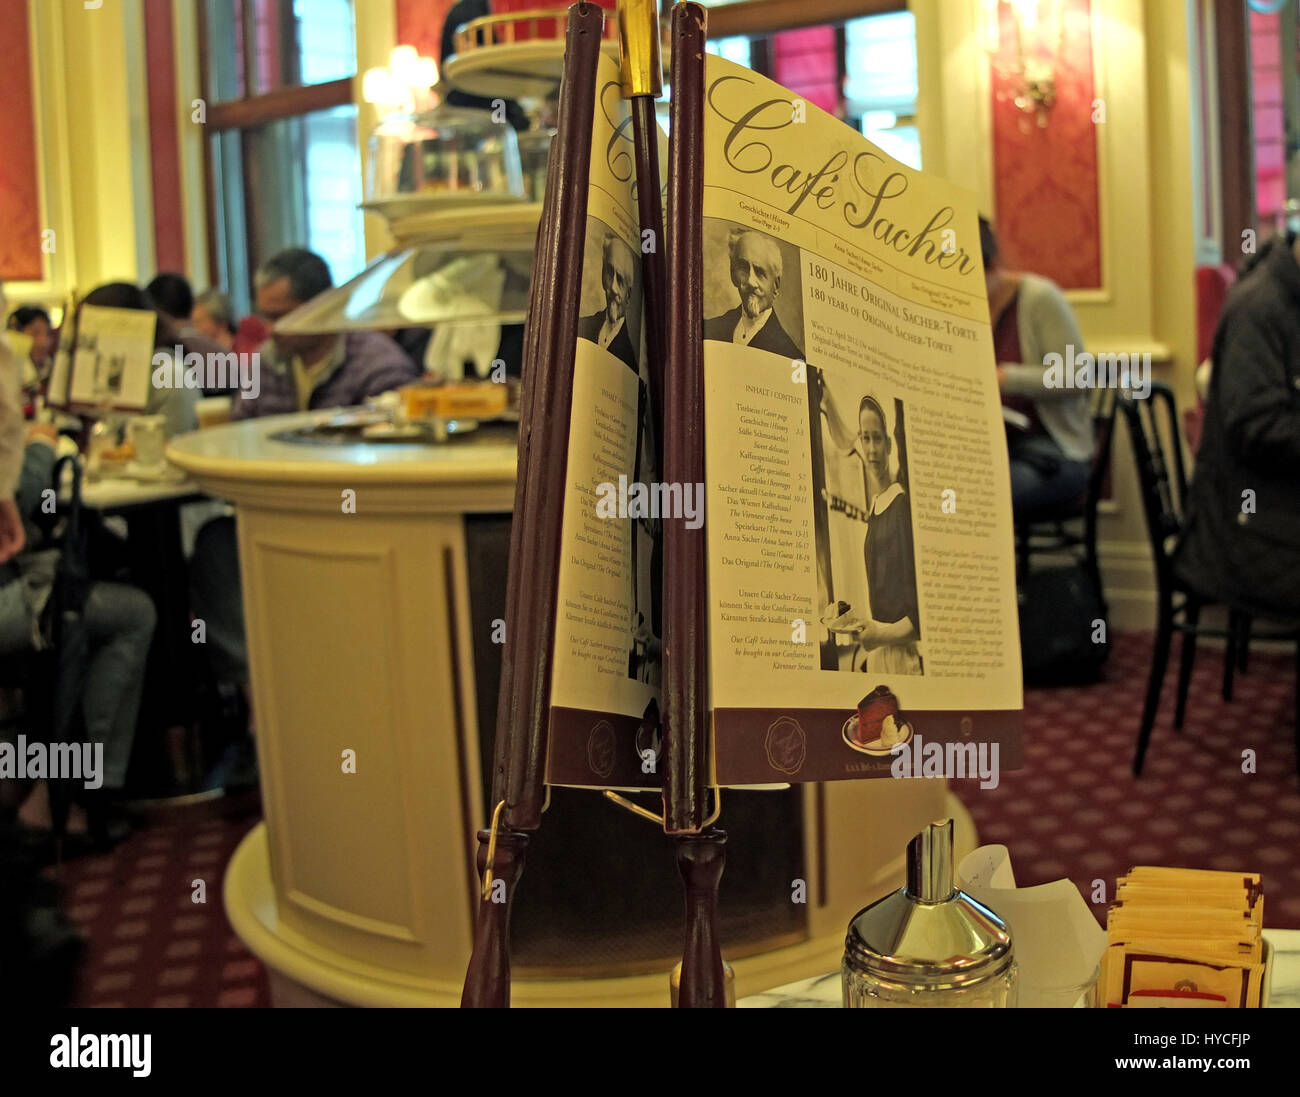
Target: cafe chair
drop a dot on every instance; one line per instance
(1153, 427)
(1072, 526)
(1240, 626)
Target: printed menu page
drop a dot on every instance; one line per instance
(608, 632)
(860, 566)
(112, 363)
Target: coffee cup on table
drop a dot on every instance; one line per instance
(148, 435)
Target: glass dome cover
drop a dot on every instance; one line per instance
(444, 155)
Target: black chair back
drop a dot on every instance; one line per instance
(1153, 427)
(1103, 436)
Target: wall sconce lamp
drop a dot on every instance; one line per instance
(405, 86)
(1036, 29)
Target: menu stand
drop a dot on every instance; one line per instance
(518, 774)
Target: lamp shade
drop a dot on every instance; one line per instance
(457, 266)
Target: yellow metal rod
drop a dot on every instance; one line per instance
(638, 41)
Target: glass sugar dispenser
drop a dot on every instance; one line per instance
(928, 944)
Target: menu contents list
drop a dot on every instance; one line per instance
(763, 527)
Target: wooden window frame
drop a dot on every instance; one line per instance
(251, 111)
(752, 18)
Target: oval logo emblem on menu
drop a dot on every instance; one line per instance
(600, 749)
(786, 745)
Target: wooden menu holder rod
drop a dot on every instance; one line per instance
(487, 983)
(641, 71)
(519, 765)
(685, 650)
(700, 861)
(700, 849)
(650, 211)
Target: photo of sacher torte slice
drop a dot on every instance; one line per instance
(872, 710)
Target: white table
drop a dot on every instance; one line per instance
(824, 992)
(364, 576)
(118, 493)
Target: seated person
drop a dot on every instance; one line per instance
(1241, 537)
(250, 334)
(1051, 457)
(214, 318)
(34, 323)
(119, 621)
(173, 299)
(171, 295)
(305, 372)
(12, 441)
(462, 12)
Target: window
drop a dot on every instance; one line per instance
(284, 161)
(863, 70)
(880, 83)
(733, 49)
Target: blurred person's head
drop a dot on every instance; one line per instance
(172, 296)
(755, 271)
(992, 256)
(285, 281)
(124, 295)
(34, 322)
(214, 317)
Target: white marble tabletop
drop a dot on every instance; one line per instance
(255, 449)
(120, 493)
(823, 991)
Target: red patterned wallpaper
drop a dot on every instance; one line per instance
(419, 24)
(1046, 180)
(20, 242)
(164, 141)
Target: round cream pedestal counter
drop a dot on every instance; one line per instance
(373, 587)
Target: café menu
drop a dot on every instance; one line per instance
(607, 642)
(861, 583)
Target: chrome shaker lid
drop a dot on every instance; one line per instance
(928, 935)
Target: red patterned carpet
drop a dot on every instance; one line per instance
(1075, 810)
(148, 942)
